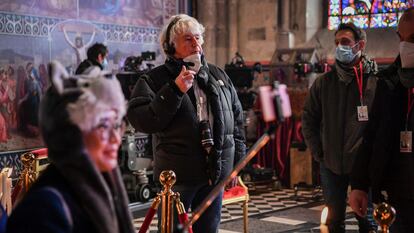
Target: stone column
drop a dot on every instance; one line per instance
(222, 33)
(285, 38)
(233, 28)
(207, 16)
(285, 6)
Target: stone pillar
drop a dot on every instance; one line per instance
(285, 6)
(314, 16)
(243, 26)
(233, 28)
(286, 37)
(222, 33)
(207, 16)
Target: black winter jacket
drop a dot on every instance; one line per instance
(85, 64)
(157, 107)
(330, 126)
(380, 164)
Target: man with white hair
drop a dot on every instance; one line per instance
(192, 110)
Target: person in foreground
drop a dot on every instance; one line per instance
(192, 110)
(81, 190)
(386, 161)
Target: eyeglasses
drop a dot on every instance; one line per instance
(106, 129)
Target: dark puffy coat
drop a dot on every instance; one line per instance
(157, 107)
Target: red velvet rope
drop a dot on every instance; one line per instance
(148, 219)
(183, 218)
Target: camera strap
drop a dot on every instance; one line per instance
(201, 102)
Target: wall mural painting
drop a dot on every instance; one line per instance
(51, 8)
(34, 32)
(126, 12)
(69, 41)
(23, 77)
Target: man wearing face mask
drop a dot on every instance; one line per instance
(335, 116)
(97, 56)
(192, 110)
(386, 161)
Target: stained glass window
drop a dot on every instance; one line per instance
(366, 13)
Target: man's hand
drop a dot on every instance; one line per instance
(185, 79)
(233, 183)
(358, 200)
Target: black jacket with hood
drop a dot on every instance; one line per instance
(380, 164)
(159, 108)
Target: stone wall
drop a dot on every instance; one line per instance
(246, 26)
(255, 28)
(251, 27)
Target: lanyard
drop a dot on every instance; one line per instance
(409, 107)
(201, 103)
(360, 80)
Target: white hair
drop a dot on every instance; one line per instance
(184, 24)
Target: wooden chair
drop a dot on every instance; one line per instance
(238, 193)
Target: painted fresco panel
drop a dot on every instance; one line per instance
(32, 33)
(52, 8)
(144, 13)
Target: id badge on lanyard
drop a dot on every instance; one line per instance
(406, 137)
(362, 110)
(362, 113)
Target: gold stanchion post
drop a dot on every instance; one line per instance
(167, 179)
(384, 215)
(167, 198)
(28, 175)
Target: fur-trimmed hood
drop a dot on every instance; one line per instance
(66, 108)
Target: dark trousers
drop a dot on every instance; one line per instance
(335, 190)
(191, 196)
(404, 221)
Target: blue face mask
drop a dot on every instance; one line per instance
(105, 64)
(345, 55)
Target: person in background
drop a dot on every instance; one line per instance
(386, 160)
(97, 56)
(192, 110)
(28, 105)
(11, 106)
(7, 87)
(43, 77)
(4, 134)
(335, 116)
(81, 190)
